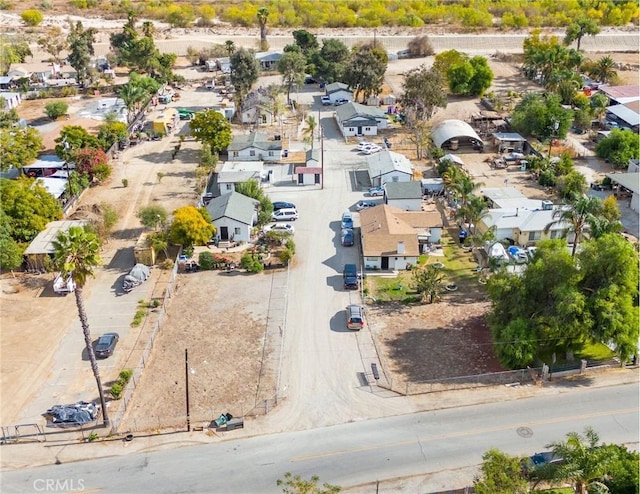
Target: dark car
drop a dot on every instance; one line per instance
(283, 205)
(347, 237)
(106, 345)
(350, 277)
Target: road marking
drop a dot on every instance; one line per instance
(469, 433)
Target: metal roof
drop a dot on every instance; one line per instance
(386, 161)
(452, 129)
(626, 114)
(403, 190)
(42, 244)
(627, 180)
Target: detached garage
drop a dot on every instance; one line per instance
(451, 134)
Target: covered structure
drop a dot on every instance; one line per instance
(41, 248)
(166, 122)
(452, 133)
(630, 181)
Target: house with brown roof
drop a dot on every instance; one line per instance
(392, 239)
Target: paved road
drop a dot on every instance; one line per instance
(353, 453)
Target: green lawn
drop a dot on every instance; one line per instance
(590, 351)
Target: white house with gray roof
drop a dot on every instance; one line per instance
(387, 166)
(235, 172)
(254, 147)
(338, 90)
(233, 215)
(255, 109)
(406, 196)
(355, 119)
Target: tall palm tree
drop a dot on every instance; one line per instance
(577, 215)
(604, 70)
(263, 16)
(76, 254)
(472, 211)
(230, 47)
(310, 130)
(133, 96)
(584, 463)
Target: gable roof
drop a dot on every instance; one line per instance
(386, 161)
(352, 110)
(403, 190)
(313, 154)
(526, 220)
(256, 140)
(334, 87)
(234, 206)
(382, 229)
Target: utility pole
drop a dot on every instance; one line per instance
(186, 379)
(321, 157)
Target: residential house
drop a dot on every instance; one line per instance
(386, 166)
(355, 119)
(268, 60)
(524, 226)
(254, 147)
(255, 110)
(40, 251)
(406, 196)
(235, 172)
(36, 72)
(233, 215)
(338, 91)
(392, 238)
(6, 83)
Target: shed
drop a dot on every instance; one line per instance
(143, 253)
(432, 185)
(452, 133)
(508, 142)
(389, 99)
(630, 181)
(309, 175)
(41, 248)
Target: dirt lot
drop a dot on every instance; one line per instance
(230, 330)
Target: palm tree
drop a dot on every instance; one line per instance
(262, 16)
(132, 96)
(599, 103)
(76, 254)
(577, 215)
(604, 70)
(230, 47)
(584, 462)
(472, 211)
(310, 129)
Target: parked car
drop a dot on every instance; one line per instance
(374, 148)
(365, 204)
(341, 101)
(362, 145)
(106, 345)
(279, 227)
(285, 214)
(310, 80)
(518, 255)
(347, 220)
(531, 252)
(283, 205)
(355, 317)
(326, 101)
(347, 237)
(350, 277)
(376, 191)
(539, 461)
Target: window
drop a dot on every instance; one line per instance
(270, 153)
(534, 236)
(367, 129)
(555, 234)
(252, 152)
(352, 129)
(229, 186)
(236, 231)
(235, 154)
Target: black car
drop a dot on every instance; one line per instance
(283, 205)
(347, 237)
(106, 345)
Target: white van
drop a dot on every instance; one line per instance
(286, 214)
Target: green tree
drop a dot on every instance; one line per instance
(365, 71)
(190, 227)
(211, 128)
(10, 250)
(537, 115)
(603, 70)
(153, 217)
(331, 61)
(292, 66)
(622, 477)
(76, 254)
(609, 269)
(19, 147)
(584, 461)
(12, 51)
(111, 132)
(230, 47)
(180, 15)
(56, 109)
(8, 118)
(482, 76)
(252, 189)
(500, 473)
(92, 162)
(447, 59)
(71, 139)
(572, 184)
(579, 28)
(423, 93)
(263, 16)
(80, 42)
(309, 131)
(294, 484)
(427, 281)
(54, 42)
(619, 147)
(598, 104)
(244, 73)
(32, 17)
(307, 42)
(251, 263)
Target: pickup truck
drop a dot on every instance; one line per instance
(350, 277)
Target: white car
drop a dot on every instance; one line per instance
(365, 205)
(279, 227)
(372, 149)
(362, 145)
(326, 101)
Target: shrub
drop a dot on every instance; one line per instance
(56, 109)
(251, 263)
(101, 172)
(32, 17)
(285, 256)
(206, 260)
(137, 319)
(116, 390)
(420, 46)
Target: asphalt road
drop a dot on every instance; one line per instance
(352, 453)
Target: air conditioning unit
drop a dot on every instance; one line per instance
(547, 205)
